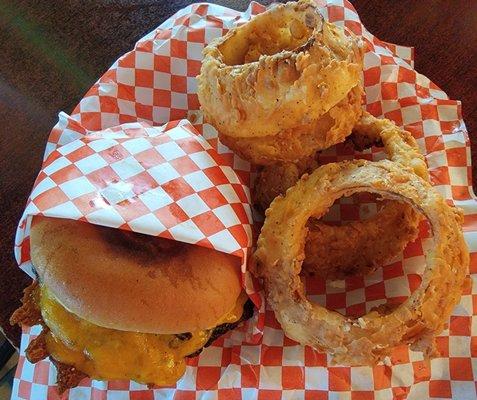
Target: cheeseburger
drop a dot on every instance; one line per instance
(121, 305)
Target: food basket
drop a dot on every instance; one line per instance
(135, 152)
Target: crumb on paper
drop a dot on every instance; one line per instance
(338, 284)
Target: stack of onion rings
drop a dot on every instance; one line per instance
(368, 339)
(282, 86)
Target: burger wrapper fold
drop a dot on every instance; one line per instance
(135, 155)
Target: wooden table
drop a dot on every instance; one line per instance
(52, 53)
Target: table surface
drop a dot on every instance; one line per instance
(53, 52)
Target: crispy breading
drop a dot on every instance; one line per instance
(279, 72)
(290, 146)
(358, 247)
(28, 313)
(36, 350)
(67, 376)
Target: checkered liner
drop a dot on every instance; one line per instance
(168, 180)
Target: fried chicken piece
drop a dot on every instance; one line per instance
(28, 313)
(67, 376)
(36, 350)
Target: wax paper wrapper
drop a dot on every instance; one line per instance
(118, 161)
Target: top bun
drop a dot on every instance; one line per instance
(133, 282)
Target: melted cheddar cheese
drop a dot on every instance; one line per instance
(104, 353)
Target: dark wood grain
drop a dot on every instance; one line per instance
(52, 51)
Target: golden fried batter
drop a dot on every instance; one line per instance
(28, 313)
(280, 72)
(67, 376)
(36, 350)
(292, 145)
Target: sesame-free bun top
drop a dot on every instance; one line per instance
(133, 282)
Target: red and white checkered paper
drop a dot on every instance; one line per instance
(113, 162)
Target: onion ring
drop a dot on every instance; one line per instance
(370, 338)
(291, 146)
(278, 73)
